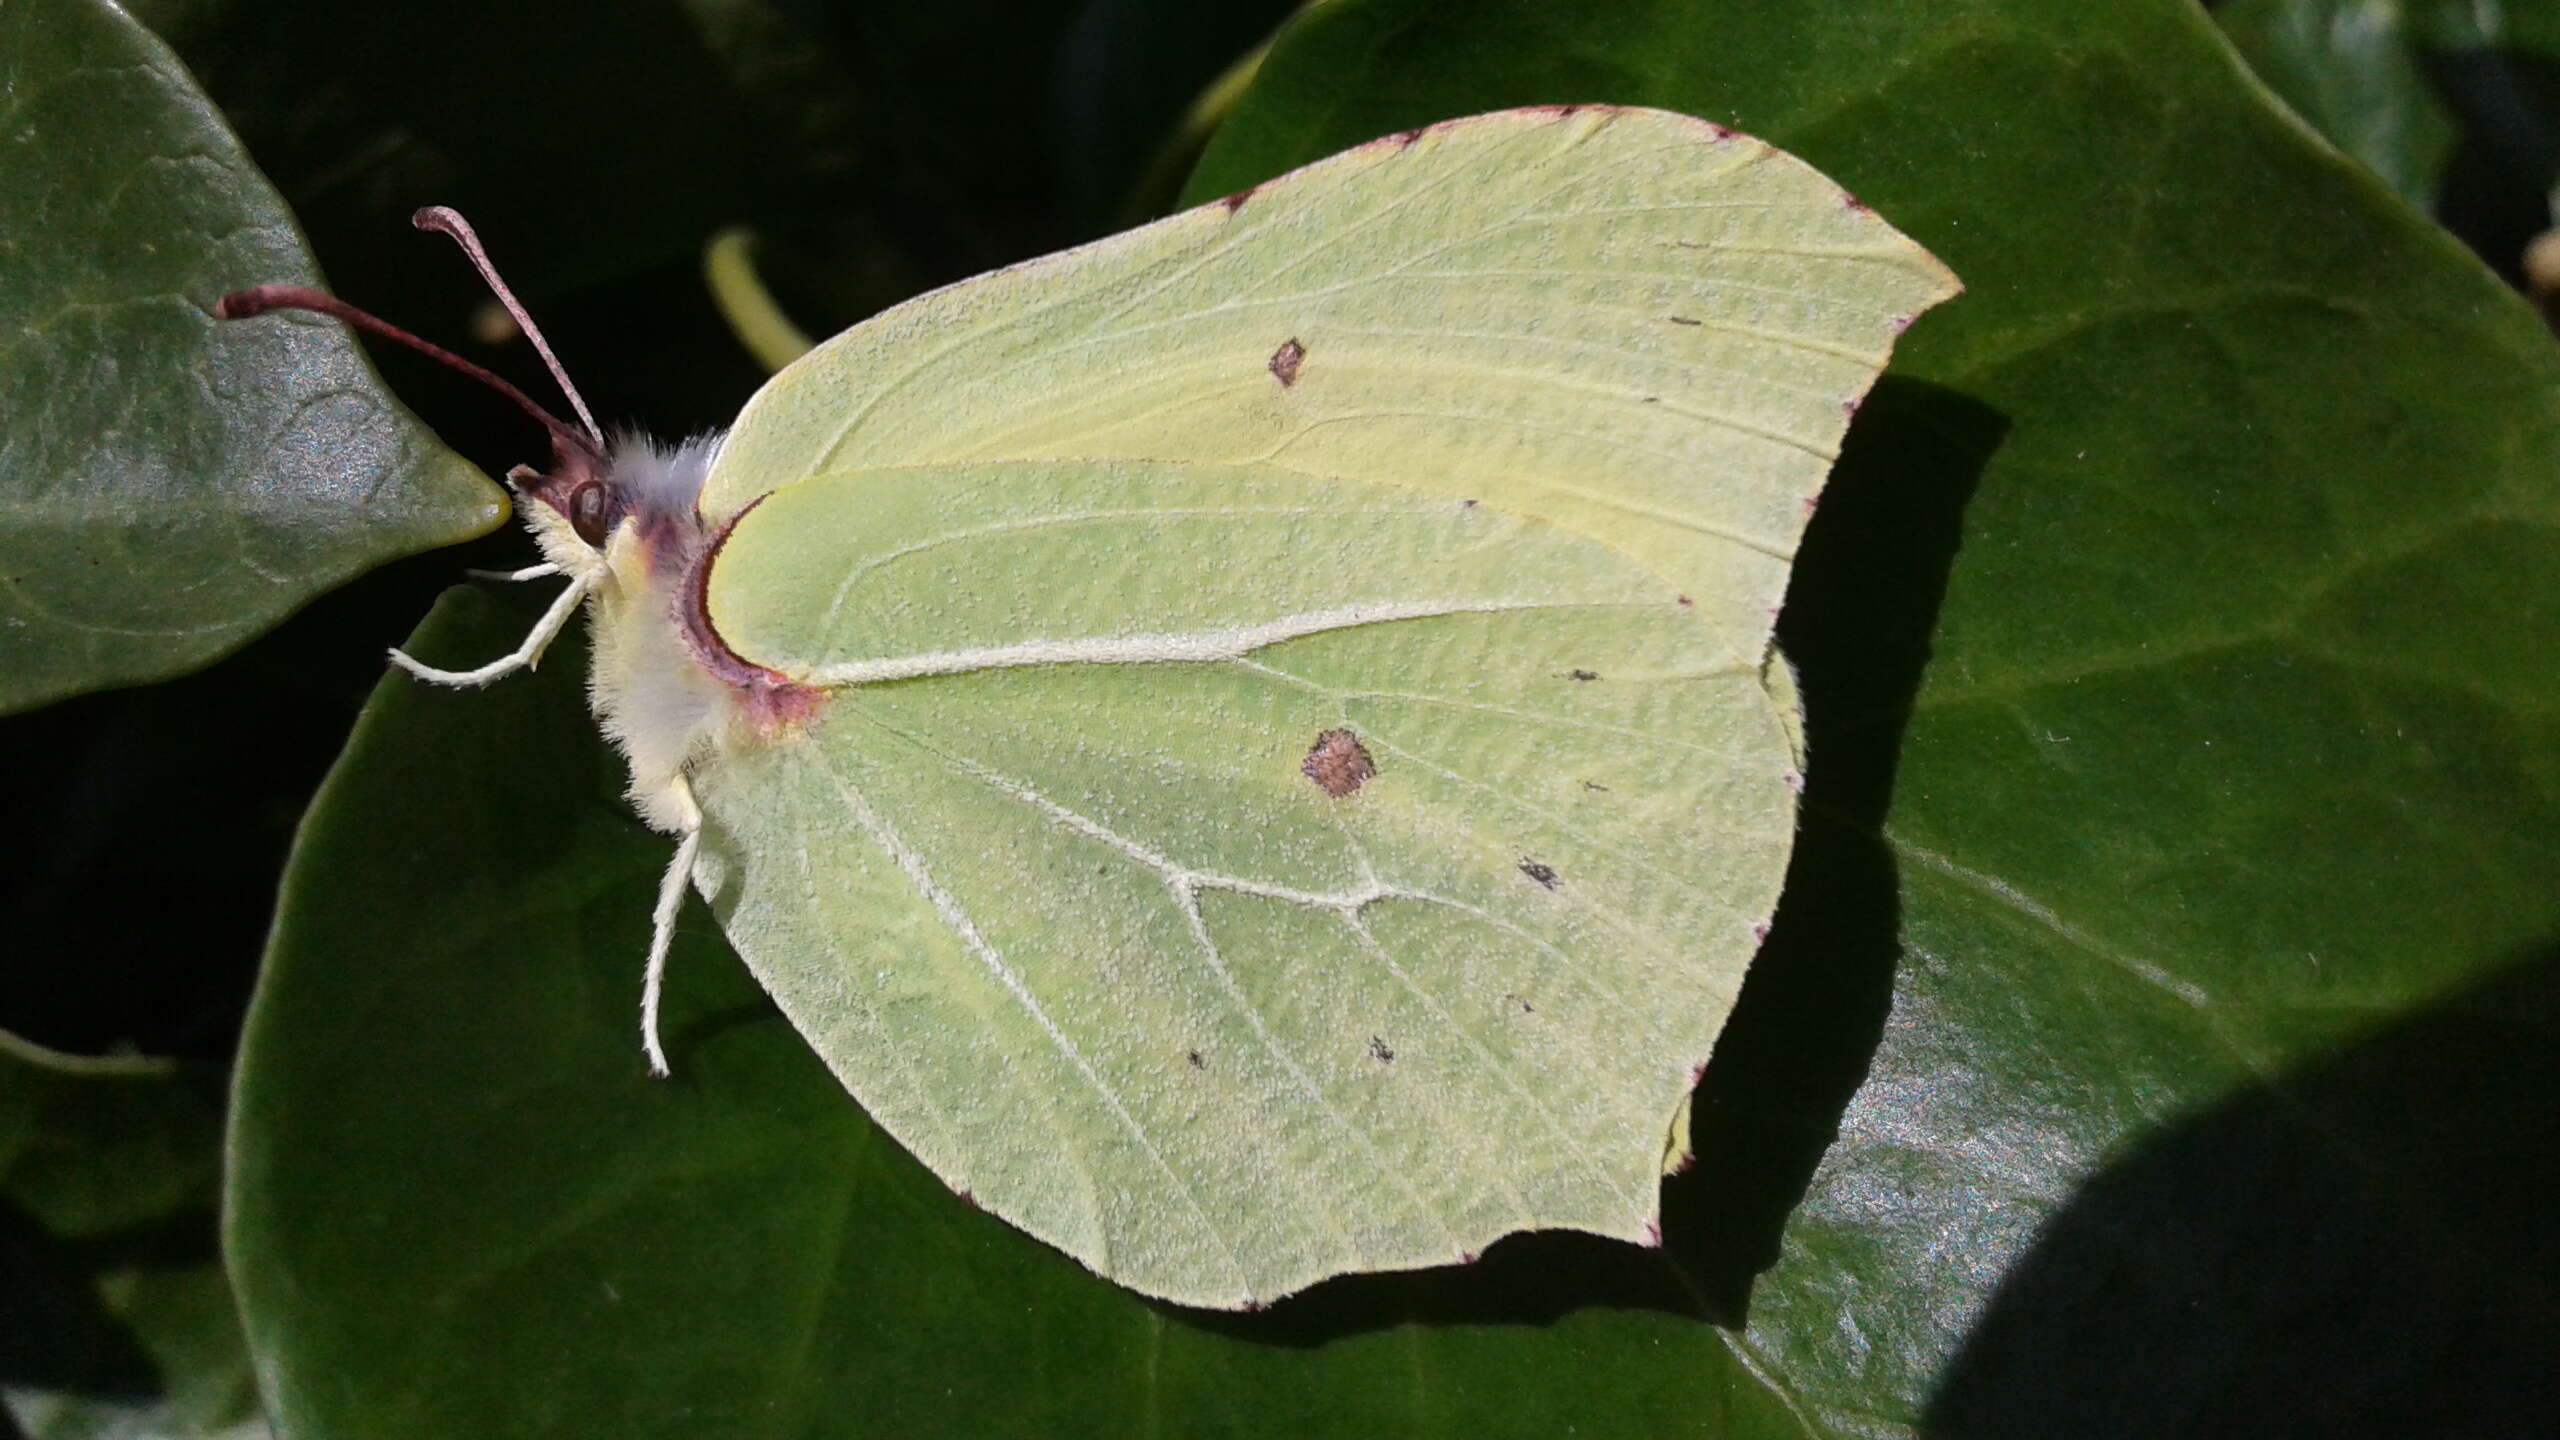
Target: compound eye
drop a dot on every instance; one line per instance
(588, 512)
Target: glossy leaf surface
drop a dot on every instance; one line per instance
(174, 485)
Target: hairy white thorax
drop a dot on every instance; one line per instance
(652, 697)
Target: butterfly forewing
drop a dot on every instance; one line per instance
(1303, 767)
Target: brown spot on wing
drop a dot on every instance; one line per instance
(1378, 1050)
(1236, 201)
(1338, 763)
(1543, 874)
(1286, 360)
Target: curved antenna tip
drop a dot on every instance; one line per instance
(446, 221)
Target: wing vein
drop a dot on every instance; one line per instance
(1338, 240)
(1558, 823)
(1527, 716)
(1228, 642)
(1592, 438)
(1183, 882)
(844, 590)
(1493, 1067)
(956, 918)
(1233, 236)
(1050, 357)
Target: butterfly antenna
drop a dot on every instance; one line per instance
(446, 221)
(260, 299)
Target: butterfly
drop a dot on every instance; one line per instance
(1253, 747)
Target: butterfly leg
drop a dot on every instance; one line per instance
(662, 928)
(523, 657)
(530, 572)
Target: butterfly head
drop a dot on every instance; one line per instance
(634, 500)
(618, 515)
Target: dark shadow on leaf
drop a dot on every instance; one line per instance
(1864, 603)
(60, 1336)
(162, 814)
(707, 1028)
(2364, 1246)
(1858, 624)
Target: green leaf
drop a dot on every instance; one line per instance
(107, 1183)
(173, 484)
(2176, 885)
(2454, 104)
(2350, 67)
